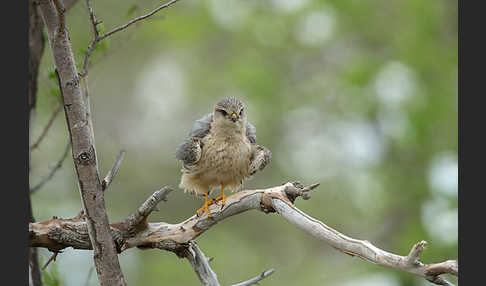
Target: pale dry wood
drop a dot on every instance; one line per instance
(114, 170)
(58, 234)
(200, 265)
(364, 249)
(83, 150)
(257, 279)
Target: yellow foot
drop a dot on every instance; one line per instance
(205, 207)
(221, 198)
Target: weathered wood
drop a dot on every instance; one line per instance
(83, 149)
(58, 234)
(200, 265)
(257, 279)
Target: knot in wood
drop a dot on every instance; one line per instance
(72, 83)
(85, 158)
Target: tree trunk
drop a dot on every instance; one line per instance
(83, 149)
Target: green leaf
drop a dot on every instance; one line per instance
(101, 28)
(83, 51)
(52, 74)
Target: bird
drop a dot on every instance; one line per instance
(220, 150)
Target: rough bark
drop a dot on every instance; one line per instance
(83, 149)
(57, 234)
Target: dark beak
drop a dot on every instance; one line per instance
(234, 117)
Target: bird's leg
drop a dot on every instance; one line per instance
(221, 197)
(207, 203)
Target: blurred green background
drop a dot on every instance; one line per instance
(360, 96)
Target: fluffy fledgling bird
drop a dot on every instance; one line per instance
(220, 150)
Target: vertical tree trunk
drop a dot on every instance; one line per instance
(36, 48)
(83, 149)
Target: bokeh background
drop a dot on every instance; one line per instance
(360, 96)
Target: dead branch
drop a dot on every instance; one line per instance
(52, 258)
(98, 37)
(114, 170)
(361, 248)
(200, 265)
(257, 279)
(59, 234)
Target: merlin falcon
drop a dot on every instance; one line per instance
(220, 150)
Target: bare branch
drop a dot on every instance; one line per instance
(53, 171)
(200, 264)
(439, 281)
(92, 17)
(114, 170)
(55, 234)
(98, 37)
(449, 266)
(354, 247)
(47, 127)
(52, 258)
(138, 220)
(168, 4)
(413, 256)
(257, 279)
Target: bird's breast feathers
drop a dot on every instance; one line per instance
(224, 160)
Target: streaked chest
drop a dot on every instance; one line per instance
(226, 156)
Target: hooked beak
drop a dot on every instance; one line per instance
(234, 117)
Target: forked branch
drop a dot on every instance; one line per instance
(99, 37)
(57, 234)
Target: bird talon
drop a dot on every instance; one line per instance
(205, 207)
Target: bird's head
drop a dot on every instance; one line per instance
(229, 112)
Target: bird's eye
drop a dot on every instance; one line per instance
(224, 113)
(241, 112)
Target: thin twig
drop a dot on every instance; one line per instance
(46, 128)
(98, 38)
(112, 51)
(114, 170)
(257, 279)
(53, 171)
(138, 19)
(52, 258)
(92, 17)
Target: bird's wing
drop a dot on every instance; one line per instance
(260, 157)
(189, 152)
(201, 127)
(250, 132)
